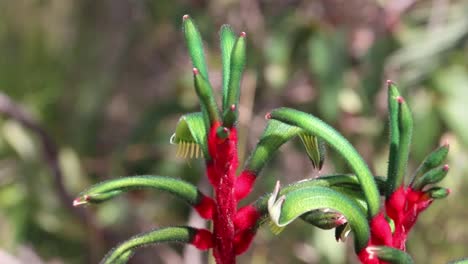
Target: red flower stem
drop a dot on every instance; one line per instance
(221, 171)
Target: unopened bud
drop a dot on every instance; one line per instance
(432, 176)
(324, 219)
(222, 132)
(438, 192)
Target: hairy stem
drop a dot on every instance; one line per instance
(221, 170)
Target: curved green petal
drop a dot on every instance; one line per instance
(317, 127)
(109, 189)
(335, 181)
(274, 136)
(190, 136)
(122, 252)
(287, 208)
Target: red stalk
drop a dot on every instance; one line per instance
(221, 171)
(233, 230)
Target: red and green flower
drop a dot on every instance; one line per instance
(347, 202)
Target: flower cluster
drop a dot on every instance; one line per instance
(346, 202)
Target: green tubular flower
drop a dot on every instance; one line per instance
(316, 127)
(190, 136)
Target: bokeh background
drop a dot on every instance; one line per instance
(103, 84)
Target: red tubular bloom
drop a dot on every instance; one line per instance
(403, 207)
(381, 233)
(244, 184)
(245, 221)
(242, 241)
(395, 204)
(246, 217)
(206, 207)
(203, 239)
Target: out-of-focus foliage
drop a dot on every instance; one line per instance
(108, 79)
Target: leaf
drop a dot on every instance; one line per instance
(317, 127)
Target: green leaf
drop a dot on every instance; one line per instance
(227, 39)
(190, 136)
(122, 252)
(317, 127)
(287, 208)
(111, 188)
(194, 43)
(390, 255)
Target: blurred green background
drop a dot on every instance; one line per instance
(107, 81)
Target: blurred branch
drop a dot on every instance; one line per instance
(13, 111)
(49, 149)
